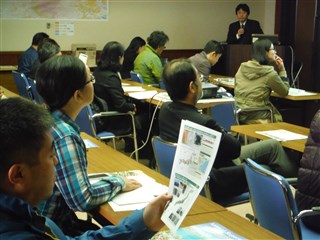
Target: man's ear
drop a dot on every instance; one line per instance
(16, 176)
(192, 87)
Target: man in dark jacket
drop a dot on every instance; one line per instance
(240, 31)
(226, 179)
(308, 191)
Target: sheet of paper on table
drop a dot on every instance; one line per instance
(282, 135)
(143, 94)
(136, 199)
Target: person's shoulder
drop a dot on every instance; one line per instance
(252, 21)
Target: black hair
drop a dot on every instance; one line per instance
(110, 56)
(38, 37)
(260, 49)
(58, 78)
(213, 46)
(47, 49)
(157, 39)
(130, 55)
(244, 7)
(177, 76)
(23, 126)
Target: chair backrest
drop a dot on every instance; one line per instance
(136, 77)
(164, 152)
(83, 121)
(162, 85)
(272, 200)
(35, 93)
(23, 85)
(224, 114)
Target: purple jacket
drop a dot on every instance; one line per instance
(308, 189)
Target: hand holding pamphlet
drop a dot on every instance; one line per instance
(196, 151)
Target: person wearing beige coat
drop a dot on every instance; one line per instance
(256, 79)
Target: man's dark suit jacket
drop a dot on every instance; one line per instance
(251, 26)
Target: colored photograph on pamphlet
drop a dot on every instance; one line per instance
(196, 151)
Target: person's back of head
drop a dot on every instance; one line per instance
(110, 56)
(135, 44)
(177, 76)
(157, 39)
(47, 49)
(58, 78)
(23, 128)
(38, 38)
(260, 49)
(244, 7)
(213, 46)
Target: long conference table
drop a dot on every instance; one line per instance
(106, 159)
(201, 104)
(251, 131)
(214, 79)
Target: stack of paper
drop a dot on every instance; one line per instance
(282, 135)
(299, 92)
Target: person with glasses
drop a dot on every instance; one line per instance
(256, 79)
(148, 63)
(27, 176)
(65, 83)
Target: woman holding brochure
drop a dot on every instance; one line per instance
(108, 87)
(256, 79)
(66, 85)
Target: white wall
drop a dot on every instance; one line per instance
(189, 24)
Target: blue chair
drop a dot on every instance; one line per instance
(36, 96)
(23, 85)
(136, 77)
(274, 205)
(86, 122)
(224, 114)
(164, 153)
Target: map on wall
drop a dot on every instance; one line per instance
(57, 9)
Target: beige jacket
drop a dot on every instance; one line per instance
(253, 86)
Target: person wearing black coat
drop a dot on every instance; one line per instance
(240, 32)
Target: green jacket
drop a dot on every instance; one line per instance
(148, 65)
(253, 86)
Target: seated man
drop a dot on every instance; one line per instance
(184, 88)
(30, 56)
(148, 63)
(207, 58)
(27, 177)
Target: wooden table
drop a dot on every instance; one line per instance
(233, 222)
(106, 159)
(201, 104)
(8, 93)
(213, 77)
(250, 130)
(6, 78)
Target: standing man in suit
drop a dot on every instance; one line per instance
(241, 30)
